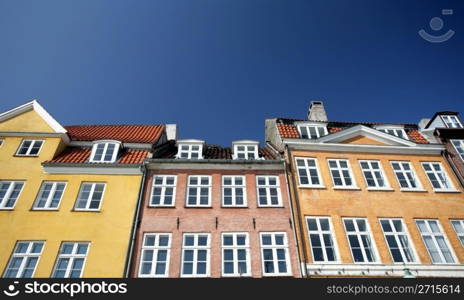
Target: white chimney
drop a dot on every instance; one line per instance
(316, 111)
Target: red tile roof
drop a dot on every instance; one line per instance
(288, 131)
(75, 155)
(416, 137)
(123, 133)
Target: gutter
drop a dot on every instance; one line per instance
(135, 224)
(215, 161)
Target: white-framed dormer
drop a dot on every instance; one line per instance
(396, 130)
(311, 130)
(245, 149)
(451, 121)
(105, 151)
(190, 149)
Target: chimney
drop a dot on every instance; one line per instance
(316, 111)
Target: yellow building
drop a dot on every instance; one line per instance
(68, 195)
(370, 199)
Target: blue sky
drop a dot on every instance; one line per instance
(219, 68)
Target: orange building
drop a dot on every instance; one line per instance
(370, 199)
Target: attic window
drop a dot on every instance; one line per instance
(451, 121)
(399, 132)
(245, 151)
(312, 131)
(30, 148)
(104, 152)
(191, 149)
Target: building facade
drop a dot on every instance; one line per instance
(370, 199)
(68, 195)
(210, 211)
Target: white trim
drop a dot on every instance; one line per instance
(433, 235)
(354, 185)
(395, 234)
(155, 249)
(418, 188)
(386, 185)
(358, 233)
(274, 247)
(307, 169)
(316, 130)
(105, 143)
(89, 199)
(246, 152)
(33, 105)
(233, 188)
(235, 249)
(195, 249)
(451, 188)
(28, 151)
(451, 117)
(8, 193)
(50, 197)
(321, 232)
(24, 257)
(72, 256)
(459, 235)
(163, 187)
(189, 144)
(198, 187)
(267, 186)
(56, 169)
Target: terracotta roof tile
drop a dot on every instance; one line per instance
(75, 155)
(288, 131)
(416, 137)
(123, 133)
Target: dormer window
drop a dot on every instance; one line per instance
(245, 150)
(451, 121)
(399, 132)
(312, 131)
(105, 151)
(190, 149)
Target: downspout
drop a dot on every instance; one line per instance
(135, 223)
(298, 210)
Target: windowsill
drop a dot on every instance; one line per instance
(354, 188)
(380, 189)
(413, 190)
(312, 186)
(278, 275)
(270, 206)
(161, 206)
(86, 210)
(236, 276)
(233, 206)
(446, 191)
(19, 155)
(198, 206)
(7, 208)
(326, 262)
(44, 209)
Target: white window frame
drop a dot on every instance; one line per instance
(6, 197)
(267, 186)
(189, 151)
(33, 142)
(24, 258)
(307, 127)
(72, 256)
(307, 168)
(117, 146)
(234, 188)
(448, 119)
(459, 234)
(357, 233)
(403, 171)
(451, 187)
(395, 131)
(437, 246)
(274, 247)
(235, 247)
(156, 248)
(199, 186)
(396, 235)
(320, 234)
(382, 173)
(163, 187)
(246, 152)
(353, 185)
(50, 197)
(459, 148)
(195, 249)
(89, 199)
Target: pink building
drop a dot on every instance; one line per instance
(209, 211)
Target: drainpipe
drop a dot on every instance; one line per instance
(135, 223)
(297, 209)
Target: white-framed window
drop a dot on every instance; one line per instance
(71, 260)
(275, 254)
(360, 240)
(451, 121)
(233, 191)
(398, 241)
(24, 259)
(154, 259)
(458, 226)
(196, 255)
(268, 188)
(163, 192)
(399, 132)
(29, 148)
(235, 254)
(459, 146)
(322, 239)
(49, 195)
(437, 176)
(199, 191)
(9, 193)
(308, 172)
(373, 174)
(435, 241)
(342, 176)
(245, 152)
(405, 175)
(312, 131)
(104, 152)
(90, 196)
(190, 151)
